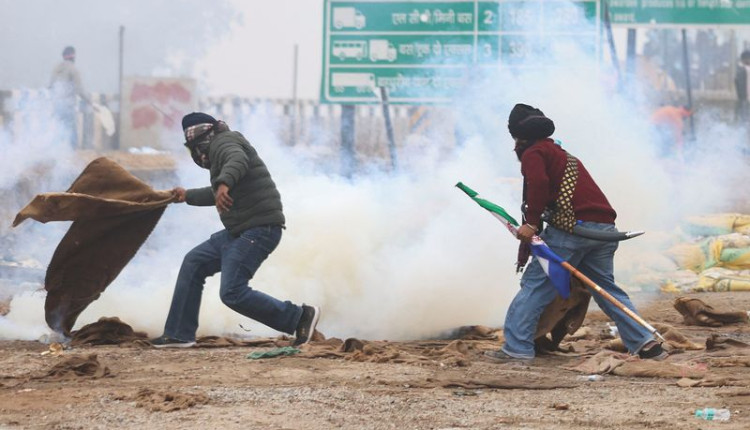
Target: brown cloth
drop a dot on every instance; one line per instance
(562, 317)
(695, 312)
(618, 364)
(113, 212)
(106, 331)
(675, 340)
(77, 366)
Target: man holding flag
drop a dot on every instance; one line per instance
(558, 189)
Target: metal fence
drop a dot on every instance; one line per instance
(306, 123)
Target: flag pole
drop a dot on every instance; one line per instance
(512, 224)
(629, 312)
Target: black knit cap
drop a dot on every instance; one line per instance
(528, 122)
(196, 118)
(69, 52)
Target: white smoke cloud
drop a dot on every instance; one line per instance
(404, 254)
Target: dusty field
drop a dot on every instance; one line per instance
(220, 388)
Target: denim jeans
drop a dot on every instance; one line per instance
(237, 258)
(594, 259)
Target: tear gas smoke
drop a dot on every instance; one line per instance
(403, 254)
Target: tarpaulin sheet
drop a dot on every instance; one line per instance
(113, 213)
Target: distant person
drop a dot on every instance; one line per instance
(65, 85)
(669, 122)
(742, 86)
(250, 208)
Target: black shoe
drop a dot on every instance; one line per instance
(306, 324)
(168, 342)
(653, 351)
(500, 356)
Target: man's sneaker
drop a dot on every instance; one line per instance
(500, 356)
(306, 324)
(653, 351)
(168, 342)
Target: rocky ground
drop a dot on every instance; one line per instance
(135, 387)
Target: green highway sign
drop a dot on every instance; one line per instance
(425, 51)
(679, 13)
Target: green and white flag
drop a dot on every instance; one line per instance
(498, 212)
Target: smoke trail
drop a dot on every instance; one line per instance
(405, 255)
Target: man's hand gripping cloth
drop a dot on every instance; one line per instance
(113, 212)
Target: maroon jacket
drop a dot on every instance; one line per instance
(542, 166)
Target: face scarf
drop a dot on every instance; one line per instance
(197, 139)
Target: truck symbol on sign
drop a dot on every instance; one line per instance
(348, 17)
(363, 82)
(382, 50)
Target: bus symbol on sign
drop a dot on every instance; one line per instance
(348, 17)
(344, 49)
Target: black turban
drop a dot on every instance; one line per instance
(529, 123)
(196, 118)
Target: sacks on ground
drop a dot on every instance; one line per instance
(719, 279)
(717, 224)
(678, 281)
(730, 251)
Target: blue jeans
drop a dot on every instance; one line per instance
(594, 259)
(237, 258)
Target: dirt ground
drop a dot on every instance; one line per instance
(200, 388)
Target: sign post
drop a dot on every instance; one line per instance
(679, 13)
(423, 51)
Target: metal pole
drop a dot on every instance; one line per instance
(611, 40)
(630, 56)
(389, 128)
(118, 141)
(347, 140)
(294, 98)
(688, 86)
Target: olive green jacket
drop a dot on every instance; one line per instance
(235, 162)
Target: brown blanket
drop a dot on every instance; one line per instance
(113, 212)
(695, 312)
(562, 317)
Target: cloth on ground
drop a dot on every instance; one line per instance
(717, 342)
(77, 366)
(714, 381)
(224, 342)
(502, 382)
(113, 213)
(107, 331)
(675, 340)
(456, 353)
(562, 317)
(696, 312)
(276, 352)
(627, 365)
(473, 332)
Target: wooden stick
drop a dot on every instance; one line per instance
(591, 284)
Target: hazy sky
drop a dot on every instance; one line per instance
(233, 46)
(238, 47)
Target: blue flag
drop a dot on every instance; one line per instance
(551, 262)
(552, 265)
